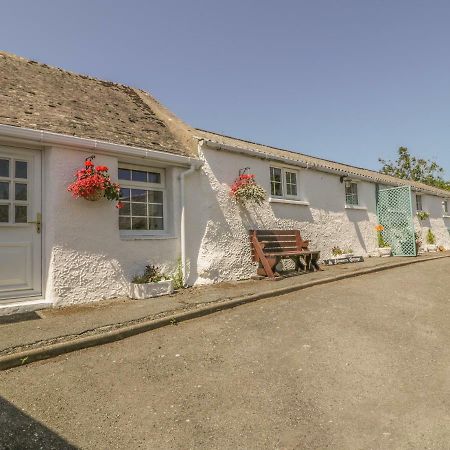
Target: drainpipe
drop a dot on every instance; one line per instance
(195, 165)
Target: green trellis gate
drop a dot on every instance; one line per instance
(394, 209)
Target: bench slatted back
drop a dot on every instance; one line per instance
(278, 241)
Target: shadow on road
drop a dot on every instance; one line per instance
(20, 431)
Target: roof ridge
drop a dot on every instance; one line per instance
(60, 69)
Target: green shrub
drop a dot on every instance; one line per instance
(177, 275)
(152, 274)
(431, 238)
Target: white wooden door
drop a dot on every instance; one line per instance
(20, 238)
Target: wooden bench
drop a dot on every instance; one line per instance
(270, 246)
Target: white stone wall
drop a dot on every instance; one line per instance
(439, 224)
(85, 257)
(220, 226)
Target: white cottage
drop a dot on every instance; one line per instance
(56, 250)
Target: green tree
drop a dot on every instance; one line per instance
(409, 167)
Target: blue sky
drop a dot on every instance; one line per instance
(345, 80)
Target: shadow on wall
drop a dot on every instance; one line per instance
(299, 213)
(20, 431)
(355, 216)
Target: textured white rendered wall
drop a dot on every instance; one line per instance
(86, 260)
(437, 222)
(218, 226)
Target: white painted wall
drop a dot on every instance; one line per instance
(220, 226)
(439, 224)
(86, 259)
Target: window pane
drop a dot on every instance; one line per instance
(138, 209)
(124, 223)
(21, 214)
(4, 191)
(419, 202)
(154, 177)
(21, 169)
(138, 195)
(21, 191)
(276, 181)
(156, 224)
(291, 189)
(155, 197)
(275, 174)
(124, 194)
(139, 223)
(4, 168)
(125, 210)
(139, 175)
(155, 210)
(124, 174)
(4, 213)
(291, 183)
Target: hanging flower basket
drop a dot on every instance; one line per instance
(93, 183)
(246, 190)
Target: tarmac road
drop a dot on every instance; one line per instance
(363, 363)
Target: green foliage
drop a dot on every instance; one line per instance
(152, 274)
(422, 215)
(431, 238)
(177, 275)
(409, 167)
(381, 242)
(336, 251)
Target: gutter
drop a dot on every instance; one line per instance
(101, 147)
(257, 154)
(195, 165)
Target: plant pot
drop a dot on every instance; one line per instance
(432, 248)
(141, 291)
(384, 252)
(97, 195)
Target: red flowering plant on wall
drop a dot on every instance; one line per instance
(245, 189)
(93, 183)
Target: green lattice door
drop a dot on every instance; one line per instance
(395, 213)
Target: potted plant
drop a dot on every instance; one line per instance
(384, 250)
(422, 215)
(152, 283)
(93, 183)
(246, 190)
(431, 241)
(345, 253)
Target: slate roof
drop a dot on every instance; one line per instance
(37, 96)
(318, 163)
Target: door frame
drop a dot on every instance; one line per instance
(36, 153)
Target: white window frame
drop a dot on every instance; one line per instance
(284, 171)
(147, 186)
(351, 182)
(419, 197)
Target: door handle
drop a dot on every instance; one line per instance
(38, 222)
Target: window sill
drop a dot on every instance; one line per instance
(288, 201)
(360, 208)
(146, 237)
(446, 216)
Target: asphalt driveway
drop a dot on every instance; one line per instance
(363, 363)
